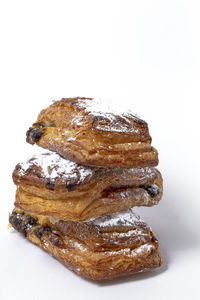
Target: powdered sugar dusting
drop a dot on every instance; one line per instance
(146, 248)
(80, 246)
(135, 234)
(54, 166)
(121, 218)
(111, 116)
(100, 106)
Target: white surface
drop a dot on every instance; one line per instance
(147, 54)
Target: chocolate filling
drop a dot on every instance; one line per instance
(153, 189)
(34, 134)
(70, 186)
(40, 230)
(50, 185)
(21, 222)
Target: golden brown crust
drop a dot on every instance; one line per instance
(109, 232)
(76, 130)
(50, 185)
(138, 255)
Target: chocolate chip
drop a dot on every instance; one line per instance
(38, 232)
(47, 228)
(153, 190)
(70, 186)
(15, 221)
(21, 222)
(34, 134)
(50, 185)
(31, 221)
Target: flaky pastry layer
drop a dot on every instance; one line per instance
(131, 245)
(82, 130)
(50, 185)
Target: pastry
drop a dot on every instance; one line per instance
(87, 131)
(107, 247)
(76, 202)
(50, 185)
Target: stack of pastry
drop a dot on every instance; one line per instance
(76, 200)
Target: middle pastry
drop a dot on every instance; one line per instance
(49, 185)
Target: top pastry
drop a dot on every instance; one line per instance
(89, 132)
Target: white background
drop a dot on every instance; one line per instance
(142, 53)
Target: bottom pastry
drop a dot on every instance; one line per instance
(110, 246)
